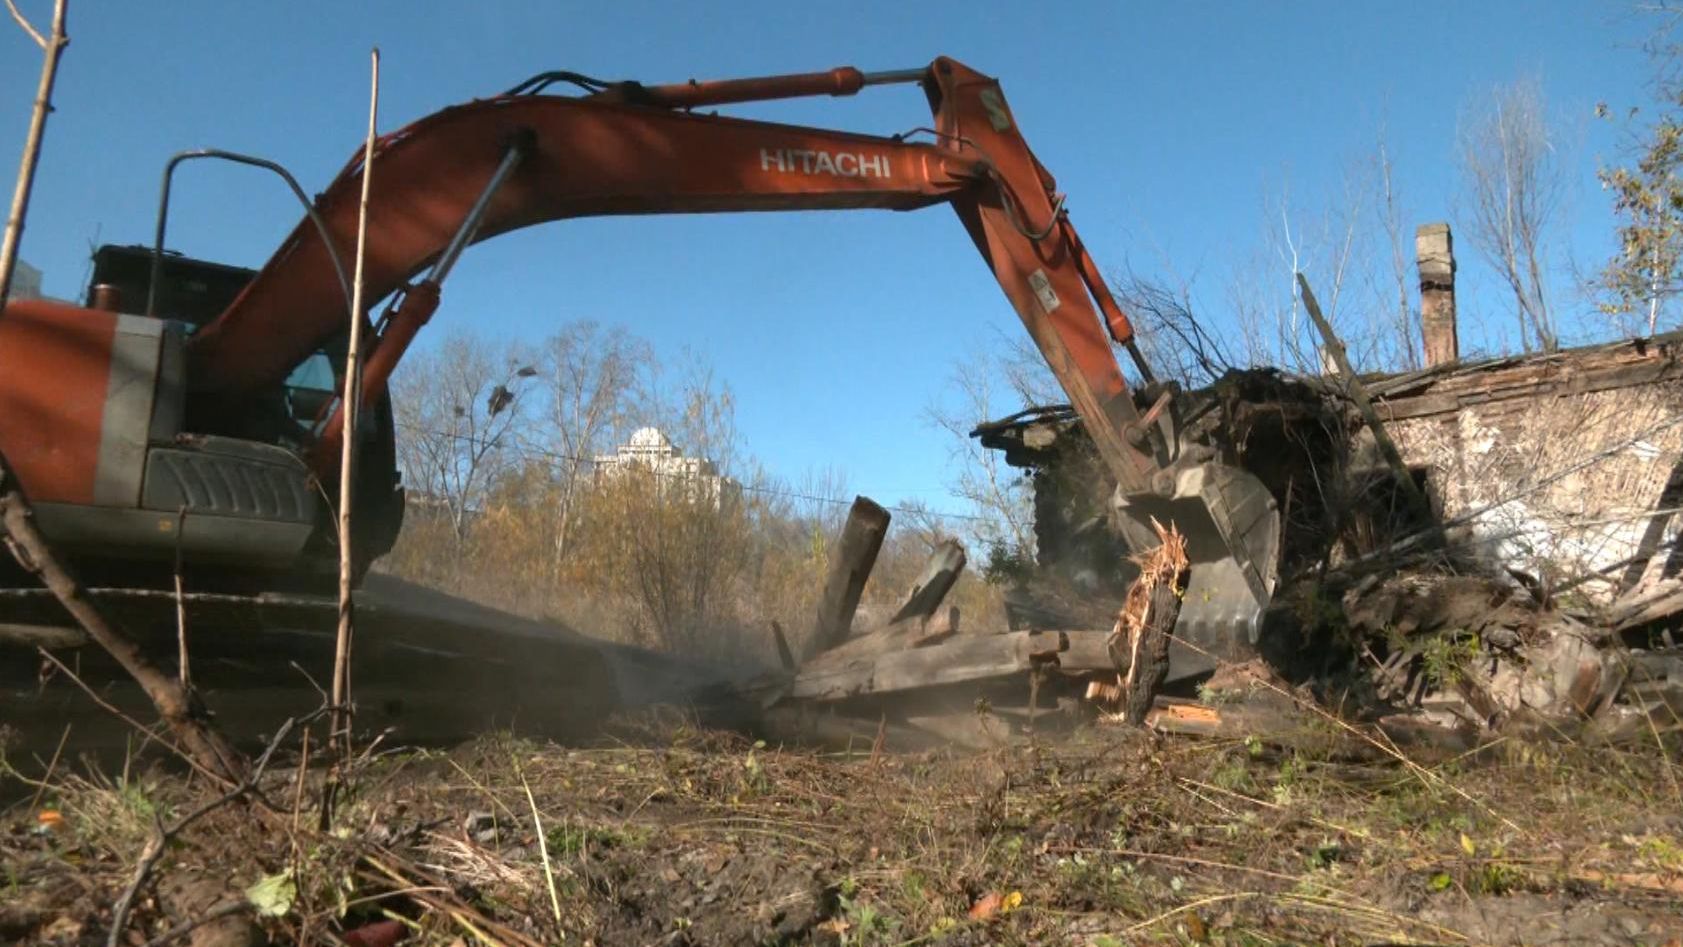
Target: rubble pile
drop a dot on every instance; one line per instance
(1538, 597)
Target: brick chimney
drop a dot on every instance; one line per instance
(1434, 254)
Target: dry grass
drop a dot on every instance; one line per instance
(683, 836)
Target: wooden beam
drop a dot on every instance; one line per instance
(784, 656)
(850, 565)
(960, 659)
(1364, 405)
(933, 584)
(903, 635)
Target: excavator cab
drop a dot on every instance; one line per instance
(133, 467)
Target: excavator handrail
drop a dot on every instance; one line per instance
(279, 170)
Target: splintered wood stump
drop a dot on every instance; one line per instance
(1149, 655)
(850, 565)
(1148, 619)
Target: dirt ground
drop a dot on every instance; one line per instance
(675, 835)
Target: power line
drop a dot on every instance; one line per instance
(748, 488)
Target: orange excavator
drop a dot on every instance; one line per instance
(188, 410)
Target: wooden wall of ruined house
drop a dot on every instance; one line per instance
(1499, 437)
(1591, 521)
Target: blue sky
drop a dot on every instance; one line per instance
(1176, 129)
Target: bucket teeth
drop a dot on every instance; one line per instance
(1232, 531)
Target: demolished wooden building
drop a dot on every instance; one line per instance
(1553, 481)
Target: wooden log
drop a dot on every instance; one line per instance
(51, 637)
(1089, 651)
(932, 585)
(850, 565)
(961, 659)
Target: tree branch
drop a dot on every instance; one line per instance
(34, 34)
(181, 712)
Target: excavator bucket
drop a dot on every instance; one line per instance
(1232, 529)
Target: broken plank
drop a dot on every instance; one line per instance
(1357, 393)
(850, 565)
(962, 659)
(932, 585)
(908, 633)
(785, 657)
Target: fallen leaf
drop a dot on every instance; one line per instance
(988, 905)
(1468, 846)
(273, 895)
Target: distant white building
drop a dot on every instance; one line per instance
(652, 450)
(26, 282)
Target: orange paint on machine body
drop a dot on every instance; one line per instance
(53, 392)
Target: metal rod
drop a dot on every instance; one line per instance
(1146, 374)
(285, 175)
(476, 214)
(890, 76)
(274, 599)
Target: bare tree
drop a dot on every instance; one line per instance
(1000, 497)
(1023, 371)
(592, 378)
(1400, 318)
(1511, 186)
(52, 46)
(1175, 343)
(1328, 238)
(675, 536)
(457, 407)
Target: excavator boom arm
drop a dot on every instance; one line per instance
(633, 149)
